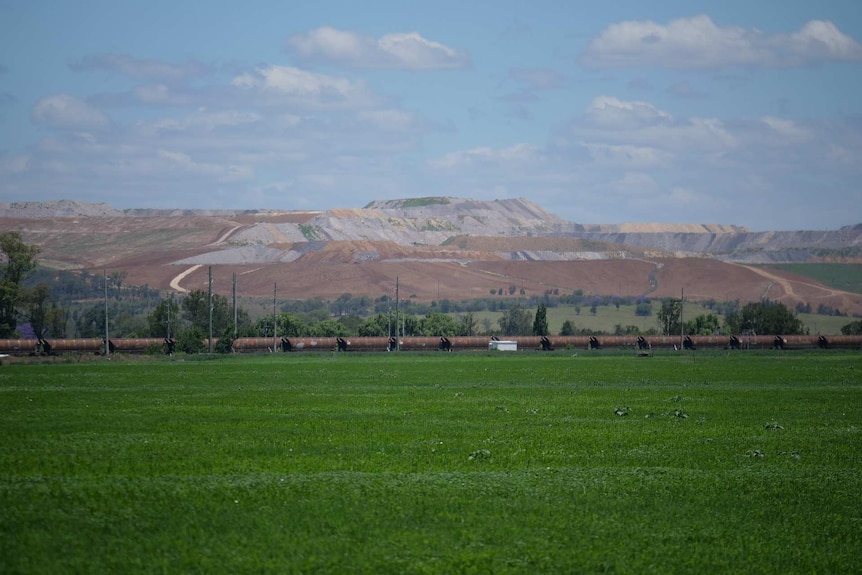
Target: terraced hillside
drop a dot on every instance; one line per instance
(438, 248)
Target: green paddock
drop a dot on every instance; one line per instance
(563, 462)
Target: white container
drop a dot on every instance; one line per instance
(503, 345)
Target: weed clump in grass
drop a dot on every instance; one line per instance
(480, 454)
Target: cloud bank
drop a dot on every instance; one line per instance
(699, 44)
(397, 51)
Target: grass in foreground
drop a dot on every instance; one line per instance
(435, 463)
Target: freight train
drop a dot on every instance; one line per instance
(643, 344)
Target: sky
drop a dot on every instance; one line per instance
(730, 112)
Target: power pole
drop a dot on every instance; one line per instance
(170, 305)
(397, 312)
(107, 339)
(681, 321)
(234, 306)
(274, 316)
(210, 300)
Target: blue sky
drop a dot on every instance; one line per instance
(726, 112)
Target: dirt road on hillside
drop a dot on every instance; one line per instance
(787, 285)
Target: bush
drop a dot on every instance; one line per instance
(155, 349)
(852, 328)
(191, 341)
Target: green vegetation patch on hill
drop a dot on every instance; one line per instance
(846, 277)
(413, 202)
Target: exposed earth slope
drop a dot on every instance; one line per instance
(438, 248)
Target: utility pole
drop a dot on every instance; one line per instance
(107, 339)
(210, 300)
(681, 321)
(234, 306)
(397, 311)
(274, 316)
(170, 305)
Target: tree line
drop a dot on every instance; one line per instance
(139, 311)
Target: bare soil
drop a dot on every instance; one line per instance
(465, 267)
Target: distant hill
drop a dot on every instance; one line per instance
(438, 247)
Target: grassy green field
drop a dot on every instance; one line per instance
(847, 277)
(745, 462)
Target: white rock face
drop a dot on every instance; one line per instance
(57, 209)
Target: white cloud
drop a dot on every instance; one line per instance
(784, 127)
(390, 120)
(628, 156)
(519, 154)
(609, 120)
(160, 94)
(608, 112)
(220, 172)
(681, 194)
(201, 121)
(137, 68)
(819, 39)
(636, 185)
(685, 90)
(698, 43)
(537, 79)
(406, 51)
(633, 161)
(291, 80)
(68, 113)
(287, 85)
(14, 164)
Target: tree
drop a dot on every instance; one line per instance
(329, 328)
(42, 312)
(224, 343)
(620, 329)
(643, 309)
(668, 316)
(351, 324)
(164, 320)
(20, 259)
(125, 324)
(191, 340)
(468, 323)
(568, 328)
(515, 321)
(764, 318)
(117, 278)
(290, 325)
(438, 324)
(540, 324)
(704, 324)
(196, 311)
(852, 328)
(381, 325)
(57, 319)
(91, 323)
